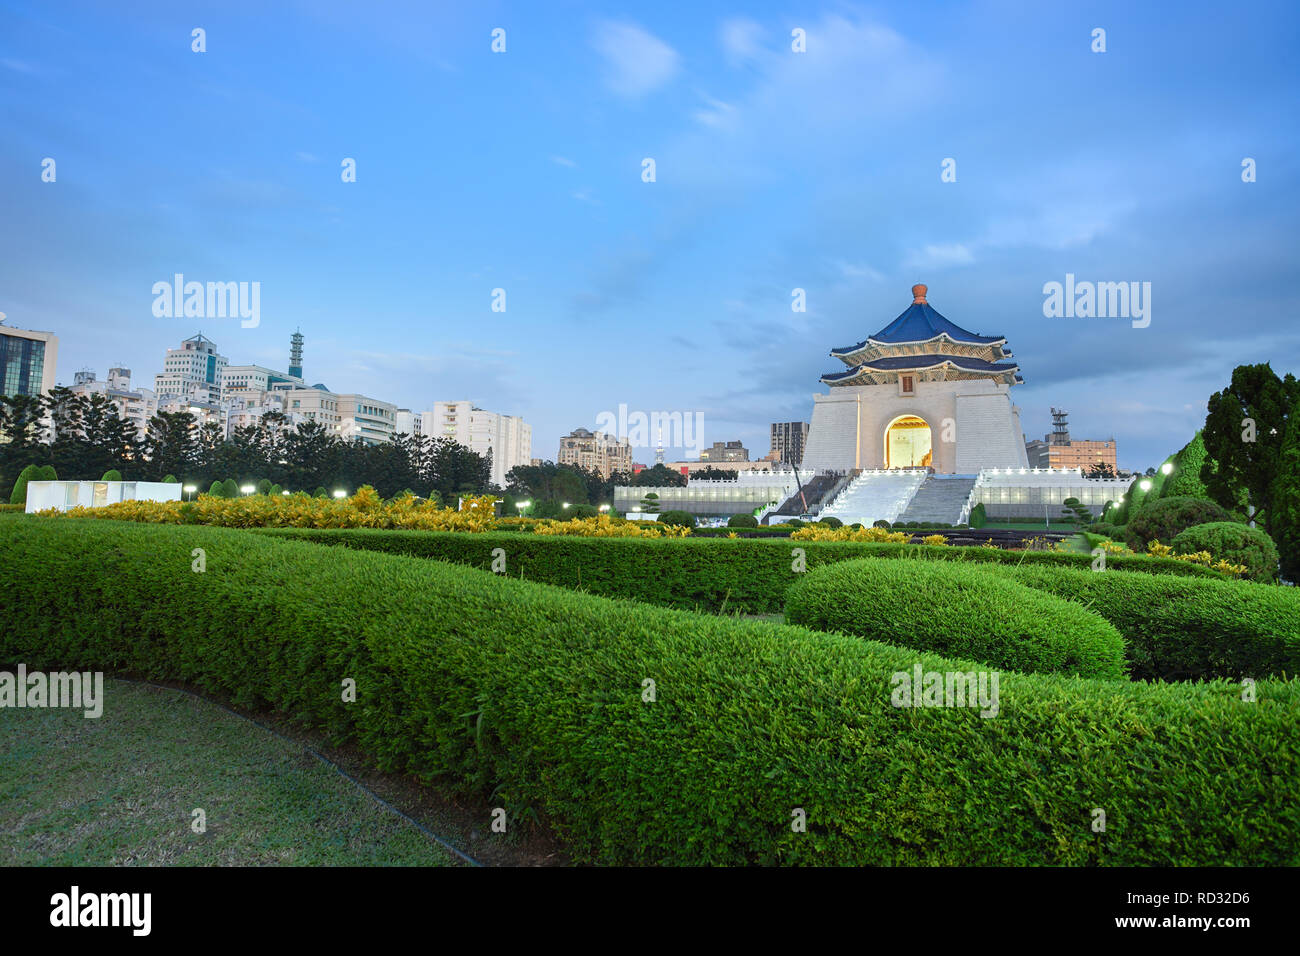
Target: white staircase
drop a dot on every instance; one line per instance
(876, 495)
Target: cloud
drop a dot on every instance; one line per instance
(636, 62)
(306, 157)
(563, 161)
(584, 195)
(851, 270)
(718, 114)
(739, 38)
(940, 256)
(18, 66)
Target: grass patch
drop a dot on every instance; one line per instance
(120, 790)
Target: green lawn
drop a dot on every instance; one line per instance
(120, 790)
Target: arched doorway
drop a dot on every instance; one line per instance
(907, 443)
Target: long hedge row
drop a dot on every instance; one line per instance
(962, 611)
(491, 684)
(746, 576)
(1184, 629)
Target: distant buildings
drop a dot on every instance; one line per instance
(27, 360)
(725, 451)
(369, 419)
(191, 372)
(595, 451)
(788, 439)
(1058, 450)
(508, 438)
(135, 405)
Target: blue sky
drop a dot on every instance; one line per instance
(774, 170)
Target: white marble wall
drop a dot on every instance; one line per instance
(848, 426)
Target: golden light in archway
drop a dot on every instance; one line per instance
(907, 443)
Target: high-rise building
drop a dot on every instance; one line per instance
(508, 437)
(192, 372)
(135, 405)
(27, 360)
(595, 451)
(788, 439)
(725, 451)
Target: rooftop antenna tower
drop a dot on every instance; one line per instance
(1060, 427)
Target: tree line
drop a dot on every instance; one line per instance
(83, 437)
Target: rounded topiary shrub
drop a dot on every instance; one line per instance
(583, 511)
(1161, 519)
(832, 522)
(1233, 542)
(682, 519)
(170, 480)
(856, 526)
(742, 521)
(880, 523)
(975, 614)
(112, 475)
(19, 495)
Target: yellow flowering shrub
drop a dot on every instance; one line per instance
(365, 509)
(935, 539)
(819, 532)
(1158, 550)
(603, 526)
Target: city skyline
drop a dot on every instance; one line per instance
(775, 171)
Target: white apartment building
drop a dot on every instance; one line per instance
(204, 412)
(314, 405)
(408, 422)
(508, 437)
(347, 416)
(369, 419)
(246, 406)
(192, 372)
(135, 405)
(236, 378)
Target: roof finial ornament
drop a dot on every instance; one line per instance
(918, 295)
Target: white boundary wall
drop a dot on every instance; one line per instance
(95, 494)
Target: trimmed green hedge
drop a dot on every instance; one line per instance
(748, 576)
(484, 685)
(1181, 629)
(1162, 519)
(1234, 542)
(959, 611)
